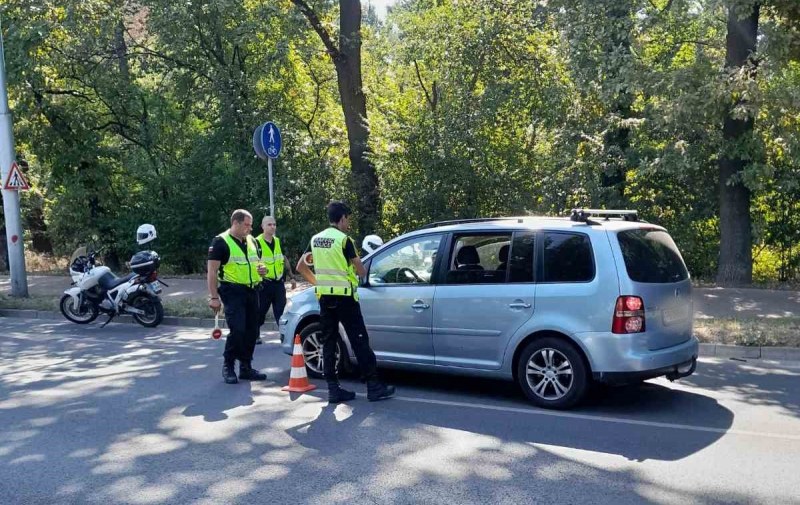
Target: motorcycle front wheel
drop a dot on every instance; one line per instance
(84, 314)
(152, 308)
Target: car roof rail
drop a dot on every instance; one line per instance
(584, 215)
(437, 224)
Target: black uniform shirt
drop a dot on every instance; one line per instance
(271, 245)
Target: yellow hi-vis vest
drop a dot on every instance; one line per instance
(273, 260)
(335, 275)
(241, 268)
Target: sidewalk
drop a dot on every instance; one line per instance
(708, 302)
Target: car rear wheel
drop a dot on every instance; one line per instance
(552, 374)
(311, 342)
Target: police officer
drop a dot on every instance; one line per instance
(273, 289)
(336, 264)
(233, 261)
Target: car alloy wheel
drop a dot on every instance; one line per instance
(552, 373)
(312, 351)
(549, 374)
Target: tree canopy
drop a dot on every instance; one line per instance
(132, 111)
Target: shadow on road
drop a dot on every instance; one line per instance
(143, 417)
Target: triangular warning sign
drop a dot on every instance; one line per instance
(15, 180)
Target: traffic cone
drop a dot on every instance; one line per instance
(216, 334)
(298, 380)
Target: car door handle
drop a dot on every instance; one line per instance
(519, 305)
(419, 305)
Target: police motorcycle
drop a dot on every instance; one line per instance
(97, 290)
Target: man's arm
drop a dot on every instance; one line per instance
(287, 271)
(211, 278)
(360, 270)
(305, 271)
(351, 254)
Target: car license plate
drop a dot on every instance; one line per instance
(676, 314)
(155, 286)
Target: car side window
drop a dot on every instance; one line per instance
(478, 259)
(520, 258)
(567, 257)
(410, 262)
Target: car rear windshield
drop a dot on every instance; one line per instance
(651, 256)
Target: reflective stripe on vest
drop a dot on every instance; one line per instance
(335, 275)
(273, 260)
(241, 269)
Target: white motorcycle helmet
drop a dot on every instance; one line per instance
(145, 233)
(371, 243)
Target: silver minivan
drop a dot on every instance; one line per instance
(551, 303)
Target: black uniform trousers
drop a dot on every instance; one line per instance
(272, 293)
(241, 316)
(346, 310)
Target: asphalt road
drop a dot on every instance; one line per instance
(129, 415)
(708, 302)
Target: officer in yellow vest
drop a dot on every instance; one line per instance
(273, 289)
(234, 273)
(335, 279)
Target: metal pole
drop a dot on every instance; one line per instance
(16, 252)
(271, 199)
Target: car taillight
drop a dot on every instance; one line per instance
(628, 315)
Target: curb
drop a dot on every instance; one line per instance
(195, 322)
(750, 352)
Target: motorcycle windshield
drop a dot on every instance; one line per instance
(81, 251)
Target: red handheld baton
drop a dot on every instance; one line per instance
(216, 334)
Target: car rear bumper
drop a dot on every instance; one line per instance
(609, 354)
(672, 373)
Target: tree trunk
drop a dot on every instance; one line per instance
(617, 139)
(347, 60)
(354, 105)
(735, 248)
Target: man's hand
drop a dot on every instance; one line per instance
(214, 304)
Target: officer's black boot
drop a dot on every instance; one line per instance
(377, 390)
(248, 373)
(338, 395)
(228, 373)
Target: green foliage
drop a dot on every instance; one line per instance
(132, 112)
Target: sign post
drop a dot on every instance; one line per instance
(13, 182)
(267, 144)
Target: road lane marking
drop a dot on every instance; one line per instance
(589, 417)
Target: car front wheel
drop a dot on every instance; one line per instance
(311, 341)
(552, 374)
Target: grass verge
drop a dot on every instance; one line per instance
(780, 332)
(187, 307)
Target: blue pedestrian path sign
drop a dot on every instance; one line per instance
(267, 141)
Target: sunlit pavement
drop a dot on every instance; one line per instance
(129, 415)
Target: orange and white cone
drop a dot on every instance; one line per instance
(298, 380)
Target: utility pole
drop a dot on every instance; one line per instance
(16, 251)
